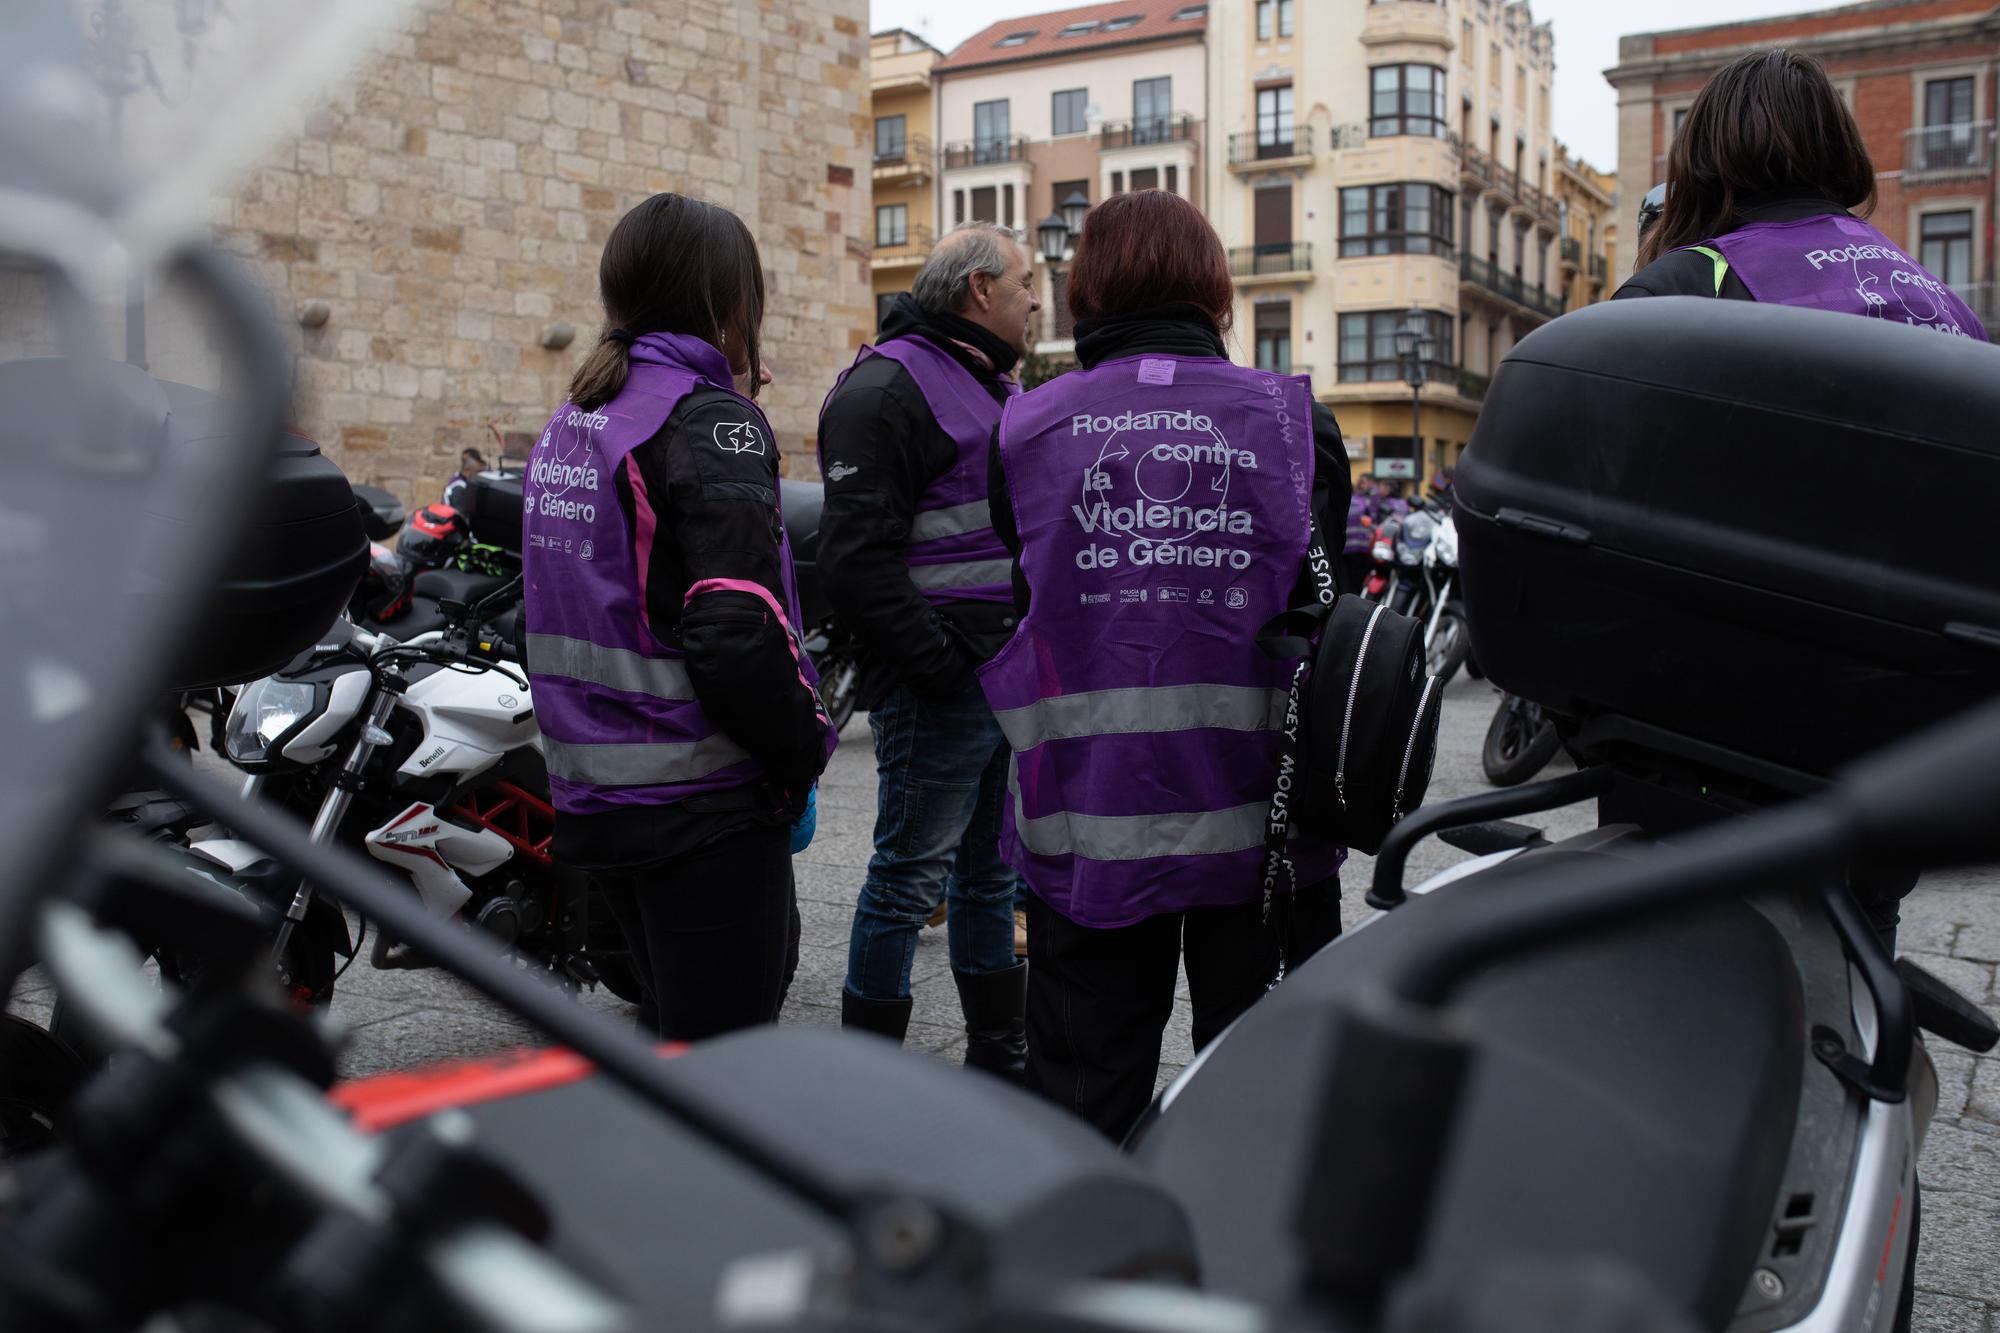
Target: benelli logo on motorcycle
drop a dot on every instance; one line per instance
(587, 420)
(1085, 424)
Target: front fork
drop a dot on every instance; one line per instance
(1438, 599)
(339, 797)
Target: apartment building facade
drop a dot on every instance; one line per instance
(1587, 229)
(1042, 117)
(1923, 80)
(1370, 160)
(904, 168)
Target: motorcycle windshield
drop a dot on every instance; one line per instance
(120, 120)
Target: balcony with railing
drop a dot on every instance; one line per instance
(1599, 269)
(1481, 170)
(1484, 275)
(1285, 261)
(909, 162)
(1572, 252)
(1942, 152)
(983, 153)
(1256, 149)
(1177, 128)
(908, 252)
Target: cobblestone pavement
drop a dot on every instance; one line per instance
(1951, 926)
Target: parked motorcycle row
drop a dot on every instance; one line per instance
(1657, 1078)
(1414, 569)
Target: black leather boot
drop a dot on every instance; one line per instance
(887, 1018)
(996, 1025)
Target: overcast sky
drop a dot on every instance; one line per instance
(1587, 33)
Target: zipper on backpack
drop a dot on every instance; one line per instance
(1410, 749)
(1347, 721)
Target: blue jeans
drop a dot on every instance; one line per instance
(942, 765)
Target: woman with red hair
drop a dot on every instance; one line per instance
(1159, 503)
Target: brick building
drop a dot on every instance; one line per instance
(1921, 76)
(448, 205)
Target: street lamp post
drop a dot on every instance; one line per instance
(1413, 348)
(1056, 238)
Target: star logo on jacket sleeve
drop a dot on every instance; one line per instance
(739, 437)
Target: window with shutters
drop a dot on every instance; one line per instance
(1152, 110)
(1276, 131)
(1173, 179)
(1410, 217)
(1944, 246)
(1948, 139)
(890, 138)
(1273, 320)
(985, 204)
(1067, 113)
(892, 224)
(1406, 99)
(1145, 178)
(990, 131)
(1368, 345)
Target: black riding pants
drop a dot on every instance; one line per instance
(714, 933)
(1099, 1000)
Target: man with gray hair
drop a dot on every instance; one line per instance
(912, 565)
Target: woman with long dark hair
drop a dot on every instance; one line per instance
(1768, 187)
(677, 709)
(1158, 501)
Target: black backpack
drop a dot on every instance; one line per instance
(1367, 711)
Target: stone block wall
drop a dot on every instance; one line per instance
(450, 201)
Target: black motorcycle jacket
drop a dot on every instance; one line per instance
(715, 513)
(881, 449)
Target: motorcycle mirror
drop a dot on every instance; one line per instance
(1933, 800)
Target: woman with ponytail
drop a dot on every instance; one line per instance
(677, 708)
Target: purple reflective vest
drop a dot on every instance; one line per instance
(1164, 506)
(619, 719)
(1839, 263)
(1360, 535)
(954, 554)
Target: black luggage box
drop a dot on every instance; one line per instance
(493, 508)
(294, 558)
(1741, 526)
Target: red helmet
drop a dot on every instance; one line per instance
(436, 534)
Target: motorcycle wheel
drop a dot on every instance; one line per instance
(609, 954)
(839, 685)
(1520, 741)
(38, 1075)
(1448, 648)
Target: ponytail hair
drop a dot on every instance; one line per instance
(675, 265)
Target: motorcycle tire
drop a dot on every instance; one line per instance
(38, 1076)
(839, 687)
(1449, 646)
(1520, 741)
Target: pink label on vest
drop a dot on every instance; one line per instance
(1156, 372)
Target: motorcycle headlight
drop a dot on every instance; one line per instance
(265, 712)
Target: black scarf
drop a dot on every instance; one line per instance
(905, 316)
(1179, 329)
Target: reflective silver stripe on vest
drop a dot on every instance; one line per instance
(1156, 709)
(1137, 837)
(613, 668)
(955, 521)
(642, 763)
(977, 574)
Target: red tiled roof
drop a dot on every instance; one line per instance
(1156, 23)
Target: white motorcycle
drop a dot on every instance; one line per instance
(426, 756)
